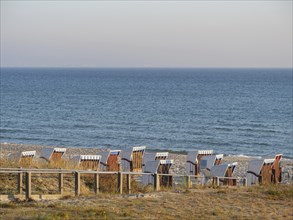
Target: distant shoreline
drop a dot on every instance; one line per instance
(99, 149)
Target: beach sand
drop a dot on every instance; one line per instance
(178, 167)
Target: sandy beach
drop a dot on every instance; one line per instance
(179, 159)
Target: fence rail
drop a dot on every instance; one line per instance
(26, 175)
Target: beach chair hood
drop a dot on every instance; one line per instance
(152, 166)
(80, 158)
(28, 153)
(153, 156)
(207, 162)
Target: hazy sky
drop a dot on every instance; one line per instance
(146, 33)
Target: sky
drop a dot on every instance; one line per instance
(146, 34)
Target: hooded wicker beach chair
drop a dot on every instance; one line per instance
(193, 161)
(88, 162)
(160, 167)
(224, 170)
(154, 156)
(53, 154)
(110, 160)
(264, 171)
(207, 162)
(131, 160)
(24, 157)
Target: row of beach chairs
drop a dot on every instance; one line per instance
(201, 163)
(131, 160)
(206, 164)
(260, 171)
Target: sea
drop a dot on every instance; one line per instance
(231, 111)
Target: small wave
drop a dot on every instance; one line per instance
(36, 140)
(243, 155)
(80, 126)
(258, 130)
(251, 125)
(170, 151)
(5, 137)
(285, 157)
(194, 133)
(261, 144)
(11, 130)
(223, 129)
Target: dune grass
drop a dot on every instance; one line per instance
(265, 202)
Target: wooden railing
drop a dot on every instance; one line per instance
(27, 175)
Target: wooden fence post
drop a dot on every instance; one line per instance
(120, 182)
(19, 181)
(28, 185)
(156, 182)
(60, 182)
(188, 182)
(97, 184)
(216, 181)
(77, 183)
(128, 180)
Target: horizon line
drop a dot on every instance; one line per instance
(140, 67)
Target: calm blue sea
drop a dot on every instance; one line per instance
(233, 111)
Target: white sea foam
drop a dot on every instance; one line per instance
(256, 157)
(245, 156)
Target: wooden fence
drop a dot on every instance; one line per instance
(26, 174)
